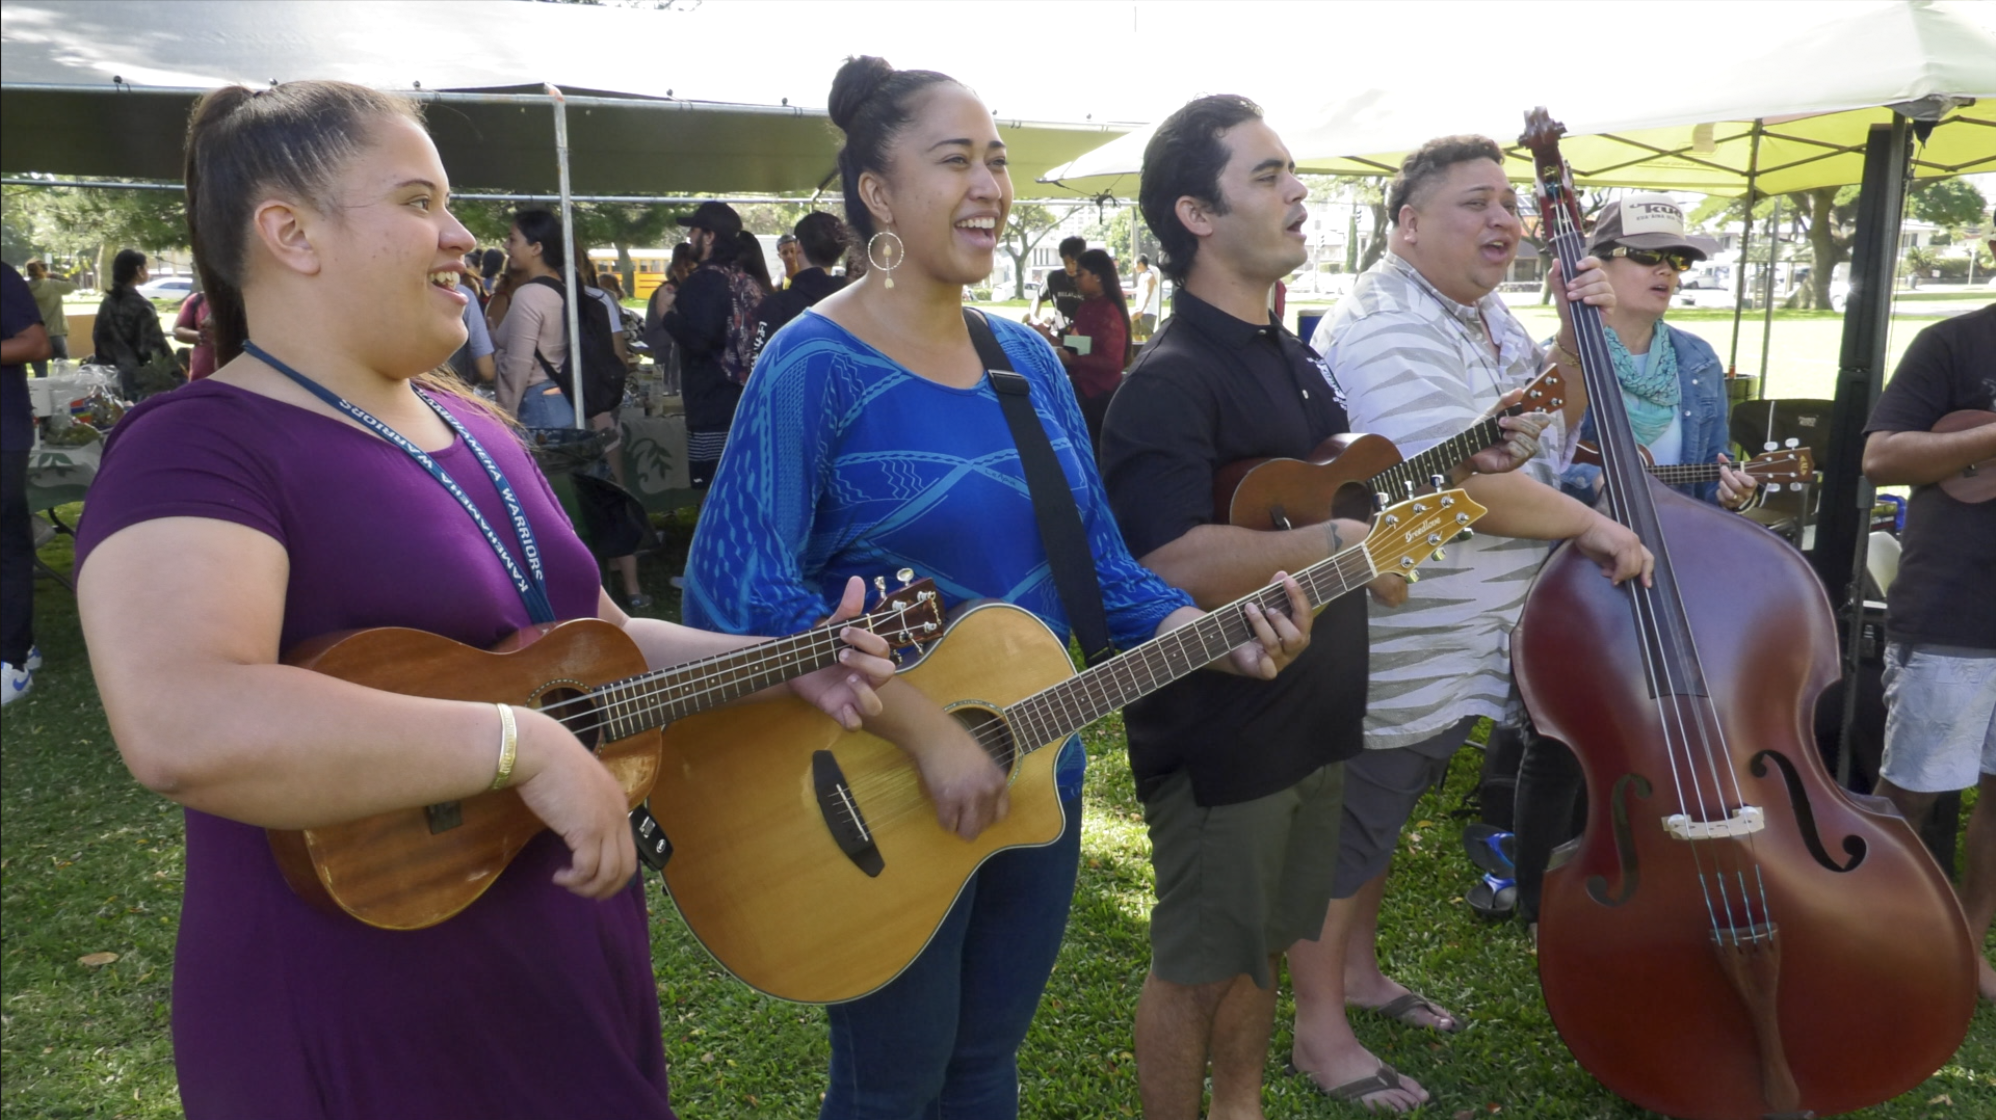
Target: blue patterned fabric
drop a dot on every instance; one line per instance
(841, 462)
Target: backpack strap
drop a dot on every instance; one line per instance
(561, 290)
(1061, 531)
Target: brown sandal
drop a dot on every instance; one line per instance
(1408, 1008)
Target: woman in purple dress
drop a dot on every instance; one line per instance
(289, 496)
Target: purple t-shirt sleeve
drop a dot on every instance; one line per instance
(176, 458)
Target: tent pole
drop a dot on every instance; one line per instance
(1746, 242)
(1767, 310)
(1843, 522)
(573, 282)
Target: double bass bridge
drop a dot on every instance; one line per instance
(1745, 821)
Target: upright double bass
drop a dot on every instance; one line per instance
(1735, 937)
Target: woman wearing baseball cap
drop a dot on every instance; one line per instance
(1673, 386)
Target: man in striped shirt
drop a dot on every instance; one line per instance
(1424, 348)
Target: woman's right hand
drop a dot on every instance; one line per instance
(575, 796)
(968, 788)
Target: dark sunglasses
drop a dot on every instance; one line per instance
(1678, 259)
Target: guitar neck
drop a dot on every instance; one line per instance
(1409, 475)
(1053, 714)
(1685, 474)
(651, 700)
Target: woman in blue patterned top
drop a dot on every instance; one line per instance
(869, 439)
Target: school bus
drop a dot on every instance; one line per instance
(648, 265)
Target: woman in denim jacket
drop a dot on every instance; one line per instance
(1672, 385)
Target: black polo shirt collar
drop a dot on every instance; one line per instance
(1220, 326)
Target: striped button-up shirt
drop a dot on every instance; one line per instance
(1417, 367)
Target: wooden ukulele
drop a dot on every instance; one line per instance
(1790, 466)
(808, 860)
(1345, 474)
(412, 868)
(1976, 482)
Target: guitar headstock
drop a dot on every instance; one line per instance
(1546, 393)
(906, 616)
(1542, 135)
(1791, 466)
(1405, 535)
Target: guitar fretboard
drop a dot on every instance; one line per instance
(637, 704)
(1051, 715)
(1410, 475)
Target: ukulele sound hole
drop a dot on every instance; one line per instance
(991, 732)
(571, 704)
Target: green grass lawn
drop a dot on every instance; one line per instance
(91, 863)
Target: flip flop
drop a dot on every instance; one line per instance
(1407, 1008)
(1355, 1091)
(1493, 898)
(1489, 848)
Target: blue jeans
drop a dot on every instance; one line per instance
(545, 410)
(941, 1042)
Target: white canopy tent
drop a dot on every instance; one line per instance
(1789, 116)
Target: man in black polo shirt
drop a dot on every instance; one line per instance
(1240, 779)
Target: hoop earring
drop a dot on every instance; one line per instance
(897, 252)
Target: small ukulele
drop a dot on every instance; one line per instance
(1790, 466)
(1346, 474)
(415, 867)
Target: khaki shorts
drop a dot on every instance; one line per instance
(1237, 884)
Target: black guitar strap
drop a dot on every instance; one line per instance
(1061, 531)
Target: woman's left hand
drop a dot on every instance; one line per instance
(845, 691)
(1736, 487)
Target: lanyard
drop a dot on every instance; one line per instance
(533, 592)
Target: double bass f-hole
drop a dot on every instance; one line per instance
(1625, 842)
(1805, 814)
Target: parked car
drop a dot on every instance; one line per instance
(174, 288)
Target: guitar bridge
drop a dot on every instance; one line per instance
(840, 809)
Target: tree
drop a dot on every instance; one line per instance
(1026, 226)
(1948, 203)
(1831, 214)
(94, 223)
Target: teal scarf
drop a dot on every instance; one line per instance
(1652, 395)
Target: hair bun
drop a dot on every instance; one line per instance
(857, 81)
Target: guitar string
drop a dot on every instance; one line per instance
(1703, 729)
(1658, 665)
(1352, 568)
(694, 680)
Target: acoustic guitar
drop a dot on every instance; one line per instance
(807, 859)
(1975, 482)
(1788, 466)
(1346, 475)
(415, 867)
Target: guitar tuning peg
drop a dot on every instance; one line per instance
(1413, 576)
(1466, 535)
(1793, 441)
(1770, 445)
(1381, 499)
(1437, 481)
(880, 584)
(1439, 556)
(906, 576)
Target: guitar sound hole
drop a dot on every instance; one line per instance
(991, 733)
(576, 711)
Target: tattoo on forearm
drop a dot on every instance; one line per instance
(1336, 538)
